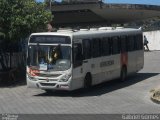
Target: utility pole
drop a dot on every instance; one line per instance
(50, 5)
(49, 26)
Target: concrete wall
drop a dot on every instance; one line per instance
(153, 38)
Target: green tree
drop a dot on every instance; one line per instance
(19, 18)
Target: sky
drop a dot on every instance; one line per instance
(148, 2)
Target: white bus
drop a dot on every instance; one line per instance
(69, 60)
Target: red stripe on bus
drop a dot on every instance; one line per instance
(124, 58)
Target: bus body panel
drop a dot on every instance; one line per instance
(140, 60)
(132, 62)
(107, 69)
(77, 77)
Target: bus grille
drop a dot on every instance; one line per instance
(49, 75)
(48, 84)
(47, 79)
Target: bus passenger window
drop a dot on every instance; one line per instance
(136, 44)
(96, 48)
(105, 47)
(140, 41)
(131, 43)
(115, 45)
(123, 44)
(86, 49)
(77, 54)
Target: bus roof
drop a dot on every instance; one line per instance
(93, 31)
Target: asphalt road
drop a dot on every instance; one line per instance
(112, 97)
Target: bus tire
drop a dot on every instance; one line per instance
(123, 76)
(87, 81)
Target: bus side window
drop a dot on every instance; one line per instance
(86, 49)
(123, 43)
(77, 54)
(136, 42)
(140, 41)
(96, 48)
(131, 43)
(110, 41)
(115, 45)
(105, 47)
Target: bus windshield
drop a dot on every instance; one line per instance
(49, 57)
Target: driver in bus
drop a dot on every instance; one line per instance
(55, 54)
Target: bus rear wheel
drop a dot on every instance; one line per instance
(123, 74)
(87, 81)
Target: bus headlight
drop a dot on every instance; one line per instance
(31, 78)
(65, 78)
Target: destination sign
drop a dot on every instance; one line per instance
(50, 39)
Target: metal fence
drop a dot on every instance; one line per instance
(14, 60)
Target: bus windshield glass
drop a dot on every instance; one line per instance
(49, 57)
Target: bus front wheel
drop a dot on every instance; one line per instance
(123, 74)
(87, 81)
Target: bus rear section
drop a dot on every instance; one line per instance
(107, 55)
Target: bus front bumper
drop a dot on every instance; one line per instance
(49, 85)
